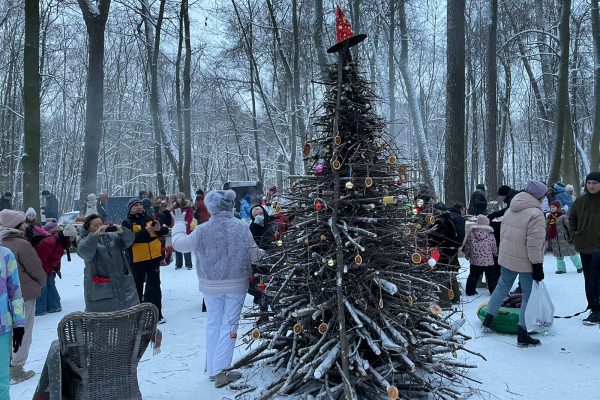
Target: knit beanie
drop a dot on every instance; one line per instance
(50, 225)
(569, 188)
(555, 203)
(219, 200)
(593, 176)
(480, 186)
(537, 189)
(91, 197)
(482, 220)
(30, 211)
(11, 218)
(133, 202)
(503, 190)
(70, 231)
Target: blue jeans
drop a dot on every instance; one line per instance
(5, 351)
(505, 283)
(49, 300)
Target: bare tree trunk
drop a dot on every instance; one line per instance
(318, 38)
(454, 171)
(95, 16)
(413, 104)
(31, 106)
(249, 50)
(563, 121)
(490, 143)
(160, 181)
(187, 116)
(504, 120)
(179, 108)
(595, 146)
(391, 71)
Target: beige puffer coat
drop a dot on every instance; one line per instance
(522, 234)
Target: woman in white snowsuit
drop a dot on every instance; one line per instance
(224, 250)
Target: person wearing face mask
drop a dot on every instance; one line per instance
(262, 228)
(521, 254)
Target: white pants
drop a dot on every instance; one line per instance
(20, 357)
(222, 318)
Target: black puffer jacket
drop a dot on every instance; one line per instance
(263, 233)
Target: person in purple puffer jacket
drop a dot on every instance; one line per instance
(480, 249)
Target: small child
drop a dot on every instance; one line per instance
(557, 232)
(480, 249)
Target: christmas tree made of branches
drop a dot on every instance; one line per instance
(352, 285)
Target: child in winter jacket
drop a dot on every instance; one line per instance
(12, 311)
(480, 249)
(557, 232)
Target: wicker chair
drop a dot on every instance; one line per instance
(99, 354)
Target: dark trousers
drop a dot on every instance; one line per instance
(179, 259)
(591, 276)
(492, 273)
(148, 272)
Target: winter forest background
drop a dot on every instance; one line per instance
(197, 93)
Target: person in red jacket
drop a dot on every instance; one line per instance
(201, 213)
(50, 247)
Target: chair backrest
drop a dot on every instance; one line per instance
(102, 351)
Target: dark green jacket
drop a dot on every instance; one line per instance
(584, 223)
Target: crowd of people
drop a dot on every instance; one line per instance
(123, 261)
(527, 223)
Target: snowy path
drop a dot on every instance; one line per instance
(565, 367)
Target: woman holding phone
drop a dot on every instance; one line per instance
(108, 282)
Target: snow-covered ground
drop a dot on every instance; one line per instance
(566, 366)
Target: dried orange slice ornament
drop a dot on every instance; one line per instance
(255, 334)
(368, 181)
(298, 329)
(416, 258)
(430, 219)
(435, 309)
(338, 140)
(323, 327)
(392, 159)
(358, 259)
(407, 231)
(392, 392)
(306, 149)
(450, 294)
(336, 164)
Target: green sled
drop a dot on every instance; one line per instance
(506, 321)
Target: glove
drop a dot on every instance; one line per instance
(17, 338)
(178, 216)
(538, 272)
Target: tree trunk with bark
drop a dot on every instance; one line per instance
(31, 106)
(490, 142)
(95, 16)
(595, 146)
(563, 121)
(413, 103)
(454, 171)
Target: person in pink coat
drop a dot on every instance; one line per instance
(480, 249)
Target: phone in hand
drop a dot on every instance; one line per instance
(111, 228)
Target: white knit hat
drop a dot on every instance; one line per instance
(219, 200)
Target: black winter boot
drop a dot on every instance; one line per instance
(487, 323)
(524, 340)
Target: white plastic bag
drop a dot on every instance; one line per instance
(539, 314)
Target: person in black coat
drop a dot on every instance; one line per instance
(51, 206)
(478, 202)
(263, 229)
(6, 201)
